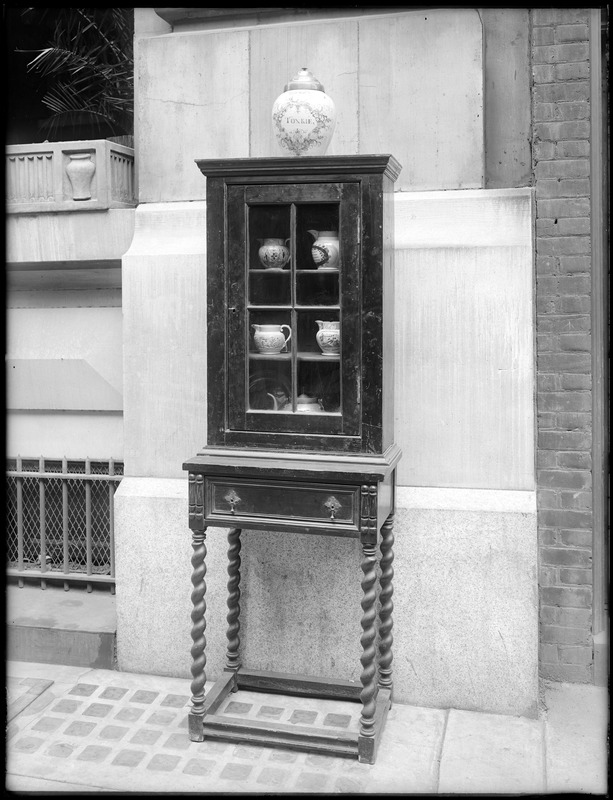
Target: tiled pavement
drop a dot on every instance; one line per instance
(79, 729)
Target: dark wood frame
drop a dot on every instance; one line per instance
(374, 483)
(334, 476)
(370, 295)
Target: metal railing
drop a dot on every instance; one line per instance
(60, 520)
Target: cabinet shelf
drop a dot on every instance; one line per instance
(270, 356)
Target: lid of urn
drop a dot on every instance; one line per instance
(304, 80)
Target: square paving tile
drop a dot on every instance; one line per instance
(146, 736)
(48, 724)
(84, 689)
(61, 750)
(67, 706)
(79, 728)
(236, 772)
(129, 758)
(175, 700)
(129, 714)
(143, 697)
(94, 752)
(199, 766)
(113, 693)
(163, 762)
(28, 744)
(270, 776)
(97, 710)
(114, 732)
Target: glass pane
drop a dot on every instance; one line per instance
(316, 229)
(317, 288)
(270, 385)
(269, 237)
(269, 287)
(319, 380)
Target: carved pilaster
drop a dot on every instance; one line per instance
(368, 515)
(386, 606)
(233, 617)
(195, 494)
(198, 637)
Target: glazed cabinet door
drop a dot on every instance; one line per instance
(293, 326)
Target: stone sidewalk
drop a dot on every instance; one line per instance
(76, 729)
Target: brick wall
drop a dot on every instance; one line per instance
(561, 163)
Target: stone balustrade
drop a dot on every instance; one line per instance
(83, 175)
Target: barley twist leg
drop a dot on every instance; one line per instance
(233, 617)
(386, 605)
(196, 715)
(369, 670)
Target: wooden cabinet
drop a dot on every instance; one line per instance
(300, 405)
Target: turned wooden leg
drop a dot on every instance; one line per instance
(386, 605)
(196, 715)
(368, 695)
(234, 594)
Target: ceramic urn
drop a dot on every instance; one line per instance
(303, 117)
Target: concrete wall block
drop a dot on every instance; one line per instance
(566, 168)
(575, 538)
(543, 35)
(543, 73)
(581, 520)
(466, 586)
(576, 341)
(563, 207)
(564, 362)
(578, 149)
(548, 654)
(569, 187)
(557, 16)
(563, 635)
(571, 264)
(576, 655)
(574, 227)
(548, 498)
(564, 246)
(564, 479)
(574, 305)
(557, 53)
(574, 617)
(561, 92)
(574, 421)
(567, 673)
(558, 131)
(574, 71)
(578, 577)
(574, 382)
(574, 460)
(548, 615)
(566, 556)
(571, 33)
(576, 500)
(575, 597)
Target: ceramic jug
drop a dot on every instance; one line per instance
(273, 253)
(325, 249)
(328, 336)
(270, 339)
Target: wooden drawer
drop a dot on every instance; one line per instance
(279, 504)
